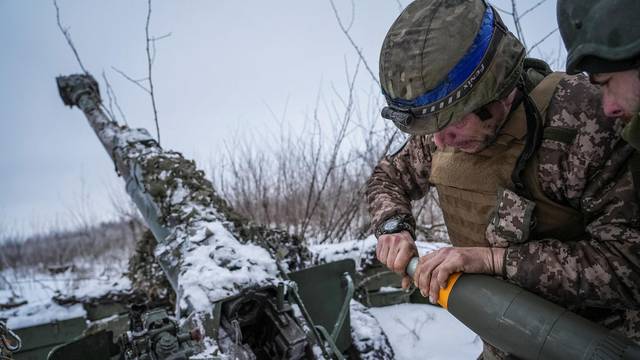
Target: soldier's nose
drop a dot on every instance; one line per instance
(611, 107)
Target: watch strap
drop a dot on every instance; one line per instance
(403, 222)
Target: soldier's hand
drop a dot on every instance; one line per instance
(434, 269)
(395, 251)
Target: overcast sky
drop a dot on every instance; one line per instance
(224, 65)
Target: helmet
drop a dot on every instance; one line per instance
(442, 59)
(600, 35)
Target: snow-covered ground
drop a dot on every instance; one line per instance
(38, 286)
(414, 331)
(418, 331)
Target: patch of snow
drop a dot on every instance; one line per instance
(367, 335)
(357, 250)
(132, 136)
(40, 313)
(216, 265)
(317, 352)
(418, 331)
(179, 194)
(99, 287)
(386, 289)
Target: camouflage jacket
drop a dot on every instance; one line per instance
(589, 174)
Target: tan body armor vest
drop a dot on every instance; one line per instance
(469, 185)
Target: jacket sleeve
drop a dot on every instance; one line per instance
(601, 269)
(397, 180)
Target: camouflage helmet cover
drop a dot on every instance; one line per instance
(604, 30)
(442, 59)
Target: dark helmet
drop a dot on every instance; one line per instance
(444, 59)
(600, 35)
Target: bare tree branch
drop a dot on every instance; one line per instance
(161, 37)
(109, 109)
(353, 15)
(111, 95)
(67, 36)
(541, 40)
(153, 43)
(346, 33)
(532, 8)
(342, 132)
(150, 66)
(400, 6)
(516, 21)
(137, 82)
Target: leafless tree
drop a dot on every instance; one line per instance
(517, 15)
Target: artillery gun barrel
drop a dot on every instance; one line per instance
(211, 255)
(197, 248)
(525, 325)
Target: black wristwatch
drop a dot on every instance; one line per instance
(395, 224)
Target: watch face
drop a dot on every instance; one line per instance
(391, 225)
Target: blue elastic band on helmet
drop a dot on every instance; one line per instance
(461, 72)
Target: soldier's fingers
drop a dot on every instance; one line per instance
(402, 259)
(441, 276)
(425, 275)
(391, 257)
(382, 244)
(434, 287)
(430, 263)
(416, 276)
(406, 282)
(425, 279)
(384, 251)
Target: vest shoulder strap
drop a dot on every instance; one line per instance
(535, 106)
(542, 93)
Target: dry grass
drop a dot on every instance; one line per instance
(312, 183)
(59, 248)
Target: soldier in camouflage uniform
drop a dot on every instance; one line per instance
(532, 180)
(609, 51)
